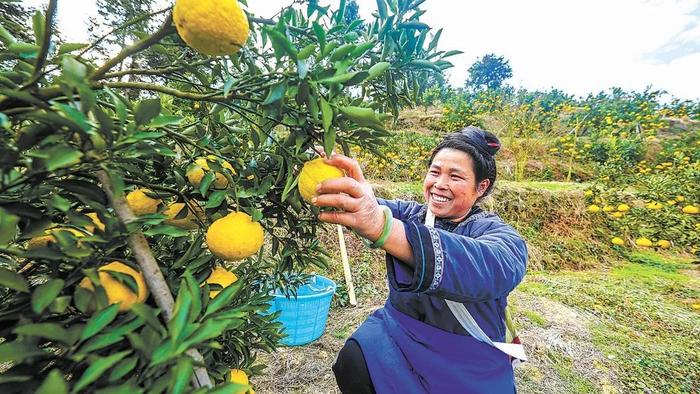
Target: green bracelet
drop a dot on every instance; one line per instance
(388, 224)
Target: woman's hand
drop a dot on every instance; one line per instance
(354, 199)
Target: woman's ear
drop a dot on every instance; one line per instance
(483, 186)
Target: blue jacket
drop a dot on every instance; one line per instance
(409, 343)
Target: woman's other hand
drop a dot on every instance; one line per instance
(353, 198)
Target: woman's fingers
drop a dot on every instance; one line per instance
(351, 166)
(342, 218)
(340, 185)
(340, 201)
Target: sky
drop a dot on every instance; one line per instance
(580, 47)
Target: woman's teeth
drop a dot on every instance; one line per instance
(440, 198)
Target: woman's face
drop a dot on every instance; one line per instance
(450, 188)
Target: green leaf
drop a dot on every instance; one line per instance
(424, 64)
(362, 48)
(74, 115)
(362, 116)
(224, 298)
(326, 116)
(70, 47)
(342, 52)
(61, 156)
(8, 226)
(5, 37)
(378, 69)
(51, 331)
(13, 280)
(60, 203)
(228, 84)
(320, 35)
(166, 230)
(452, 53)
(177, 323)
(276, 93)
(329, 141)
(99, 321)
(122, 368)
(215, 199)
(280, 43)
(149, 315)
(381, 8)
(19, 351)
(39, 26)
(74, 72)
(97, 368)
(339, 78)
(413, 25)
(45, 293)
(206, 182)
(166, 120)
(182, 371)
(306, 52)
(83, 189)
(24, 50)
(53, 384)
(146, 110)
(434, 41)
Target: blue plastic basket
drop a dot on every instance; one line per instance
(304, 318)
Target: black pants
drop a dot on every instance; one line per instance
(350, 370)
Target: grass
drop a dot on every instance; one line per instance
(551, 186)
(535, 318)
(647, 327)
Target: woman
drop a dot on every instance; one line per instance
(415, 344)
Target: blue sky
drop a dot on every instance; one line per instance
(576, 46)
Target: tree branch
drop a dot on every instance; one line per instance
(45, 43)
(164, 30)
(151, 272)
(175, 92)
(155, 71)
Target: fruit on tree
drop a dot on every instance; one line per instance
(240, 377)
(196, 172)
(118, 292)
(235, 237)
(222, 277)
(211, 27)
(189, 221)
(314, 172)
(140, 203)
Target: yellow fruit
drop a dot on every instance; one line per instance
(222, 277)
(691, 209)
(654, 205)
(608, 208)
(623, 208)
(188, 222)
(588, 193)
(646, 242)
(617, 215)
(43, 241)
(593, 208)
(235, 237)
(240, 377)
(212, 27)
(680, 198)
(663, 244)
(118, 292)
(617, 241)
(314, 172)
(671, 202)
(140, 203)
(196, 172)
(95, 219)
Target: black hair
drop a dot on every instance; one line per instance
(481, 146)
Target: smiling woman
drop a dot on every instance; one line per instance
(446, 259)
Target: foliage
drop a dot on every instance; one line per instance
(489, 72)
(76, 136)
(404, 158)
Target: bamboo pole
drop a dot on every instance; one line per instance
(151, 272)
(346, 266)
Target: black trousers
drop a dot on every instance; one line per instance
(350, 370)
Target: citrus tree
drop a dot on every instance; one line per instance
(149, 201)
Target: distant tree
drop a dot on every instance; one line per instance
(352, 12)
(489, 72)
